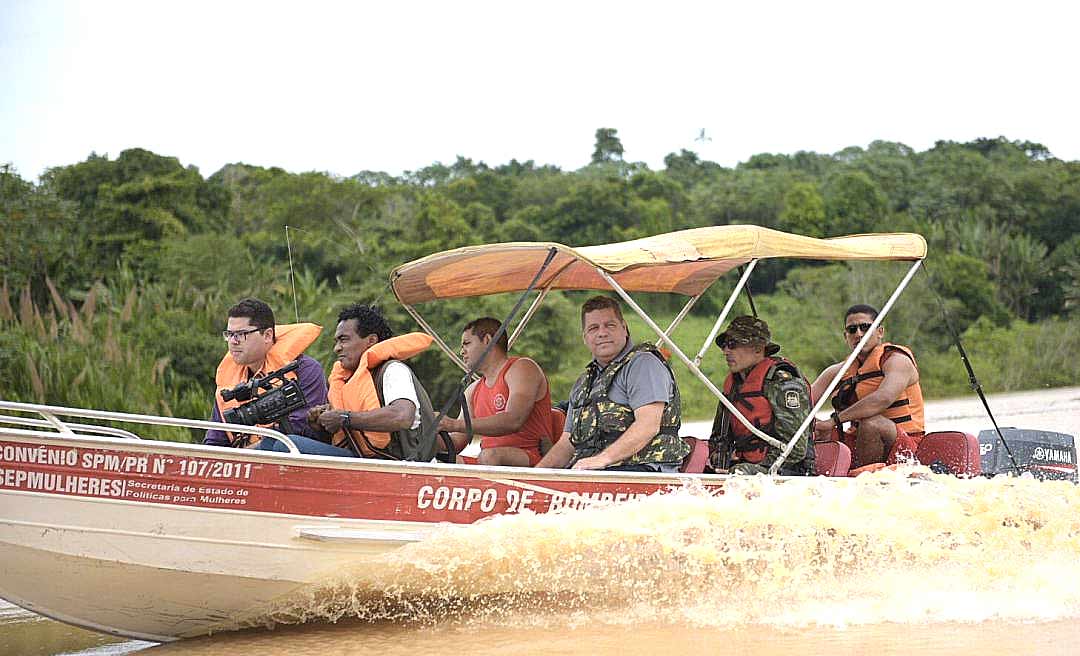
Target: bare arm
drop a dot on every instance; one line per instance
(399, 415)
(524, 379)
(559, 455)
(645, 427)
(900, 372)
(821, 383)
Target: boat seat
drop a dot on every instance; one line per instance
(956, 450)
(831, 459)
(698, 458)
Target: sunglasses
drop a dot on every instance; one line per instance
(857, 328)
(733, 343)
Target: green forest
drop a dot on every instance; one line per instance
(117, 272)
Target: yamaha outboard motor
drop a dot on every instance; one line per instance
(1046, 454)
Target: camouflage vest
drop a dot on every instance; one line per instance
(598, 421)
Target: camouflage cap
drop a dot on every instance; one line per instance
(749, 330)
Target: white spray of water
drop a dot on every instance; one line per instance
(879, 548)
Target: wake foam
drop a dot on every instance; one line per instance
(833, 552)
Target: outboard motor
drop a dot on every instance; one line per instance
(1046, 454)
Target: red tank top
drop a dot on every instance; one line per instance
(487, 401)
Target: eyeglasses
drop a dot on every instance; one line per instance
(732, 344)
(857, 328)
(239, 335)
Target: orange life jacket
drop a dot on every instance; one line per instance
(749, 398)
(290, 342)
(906, 411)
(355, 390)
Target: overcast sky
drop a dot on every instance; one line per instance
(393, 86)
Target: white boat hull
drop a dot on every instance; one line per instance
(158, 573)
(160, 541)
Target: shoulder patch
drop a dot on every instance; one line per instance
(791, 400)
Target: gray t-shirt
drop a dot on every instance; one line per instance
(645, 380)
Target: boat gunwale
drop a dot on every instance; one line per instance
(457, 470)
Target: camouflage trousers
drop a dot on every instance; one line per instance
(750, 469)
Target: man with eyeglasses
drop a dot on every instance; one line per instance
(879, 396)
(770, 393)
(256, 347)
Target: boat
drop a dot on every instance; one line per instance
(156, 540)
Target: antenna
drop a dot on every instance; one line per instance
(292, 274)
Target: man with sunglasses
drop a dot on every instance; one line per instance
(770, 393)
(879, 396)
(256, 347)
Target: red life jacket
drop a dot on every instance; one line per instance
(749, 398)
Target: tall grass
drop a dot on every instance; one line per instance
(89, 357)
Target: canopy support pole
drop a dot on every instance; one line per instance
(536, 304)
(434, 335)
(682, 314)
(723, 313)
(512, 338)
(458, 394)
(529, 313)
(690, 364)
(847, 363)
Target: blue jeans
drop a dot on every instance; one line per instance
(305, 445)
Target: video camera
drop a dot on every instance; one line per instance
(272, 405)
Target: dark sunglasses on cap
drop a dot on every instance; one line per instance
(732, 343)
(857, 328)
